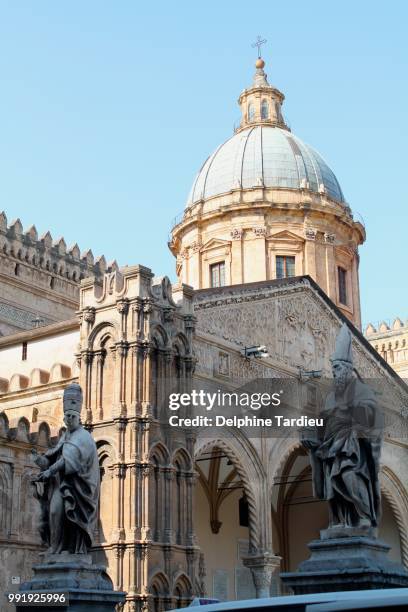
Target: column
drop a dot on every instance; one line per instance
(262, 567)
(237, 268)
(168, 480)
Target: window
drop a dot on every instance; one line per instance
(217, 274)
(285, 266)
(264, 110)
(24, 351)
(251, 112)
(342, 278)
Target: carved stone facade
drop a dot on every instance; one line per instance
(135, 338)
(298, 325)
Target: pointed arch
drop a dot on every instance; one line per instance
(23, 430)
(107, 509)
(396, 495)
(182, 590)
(4, 425)
(160, 452)
(44, 434)
(180, 344)
(183, 458)
(252, 475)
(159, 589)
(160, 336)
(5, 498)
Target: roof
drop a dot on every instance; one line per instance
(264, 155)
(216, 293)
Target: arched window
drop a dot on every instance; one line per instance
(251, 112)
(264, 110)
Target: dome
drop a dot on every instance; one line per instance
(264, 155)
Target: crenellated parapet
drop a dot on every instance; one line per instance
(391, 341)
(26, 251)
(46, 254)
(40, 276)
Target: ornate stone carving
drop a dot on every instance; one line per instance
(122, 306)
(196, 246)
(237, 233)
(310, 233)
(89, 315)
(259, 231)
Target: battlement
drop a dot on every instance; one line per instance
(41, 276)
(385, 329)
(46, 254)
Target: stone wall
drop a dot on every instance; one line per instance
(40, 277)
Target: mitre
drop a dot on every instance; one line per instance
(72, 399)
(342, 351)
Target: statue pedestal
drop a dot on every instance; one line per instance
(346, 559)
(87, 586)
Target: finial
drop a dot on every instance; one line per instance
(258, 43)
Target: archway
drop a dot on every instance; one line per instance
(225, 520)
(299, 517)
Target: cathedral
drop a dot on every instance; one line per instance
(266, 256)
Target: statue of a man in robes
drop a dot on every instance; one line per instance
(345, 456)
(70, 473)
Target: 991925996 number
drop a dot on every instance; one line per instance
(38, 599)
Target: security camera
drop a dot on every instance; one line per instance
(254, 351)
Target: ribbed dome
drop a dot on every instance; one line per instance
(264, 155)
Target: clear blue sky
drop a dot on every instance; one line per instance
(108, 110)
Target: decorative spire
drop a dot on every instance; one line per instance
(260, 77)
(261, 104)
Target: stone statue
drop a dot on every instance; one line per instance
(70, 476)
(345, 454)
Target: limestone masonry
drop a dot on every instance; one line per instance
(266, 256)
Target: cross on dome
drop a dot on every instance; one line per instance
(258, 43)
